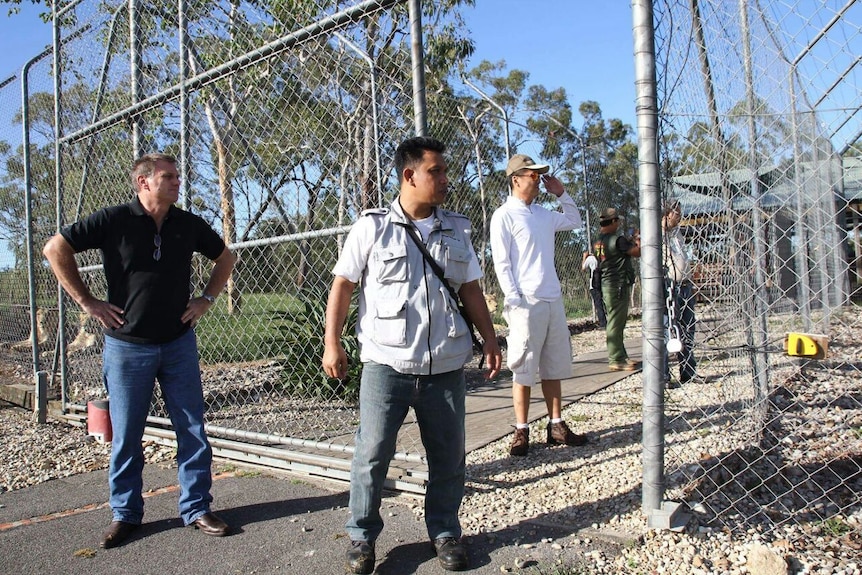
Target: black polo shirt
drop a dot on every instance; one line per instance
(153, 294)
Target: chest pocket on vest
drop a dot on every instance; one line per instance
(457, 264)
(392, 264)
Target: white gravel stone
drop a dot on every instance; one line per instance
(595, 490)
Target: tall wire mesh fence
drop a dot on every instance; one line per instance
(15, 218)
(759, 119)
(14, 310)
(285, 122)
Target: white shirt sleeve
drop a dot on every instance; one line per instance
(570, 218)
(501, 241)
(357, 248)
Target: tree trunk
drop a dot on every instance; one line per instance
(228, 218)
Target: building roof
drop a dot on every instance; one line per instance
(702, 193)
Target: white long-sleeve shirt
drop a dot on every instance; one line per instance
(675, 257)
(522, 246)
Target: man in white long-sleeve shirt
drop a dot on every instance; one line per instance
(522, 245)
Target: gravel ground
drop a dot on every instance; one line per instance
(597, 493)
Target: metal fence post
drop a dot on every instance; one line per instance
(417, 53)
(40, 406)
(658, 512)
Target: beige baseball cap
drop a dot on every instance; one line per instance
(521, 162)
(608, 214)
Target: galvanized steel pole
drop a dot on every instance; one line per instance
(58, 187)
(185, 119)
(420, 110)
(652, 275)
(136, 74)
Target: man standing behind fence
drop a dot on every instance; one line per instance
(149, 319)
(679, 311)
(414, 345)
(618, 275)
(522, 245)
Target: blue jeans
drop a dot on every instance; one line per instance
(130, 371)
(682, 295)
(384, 398)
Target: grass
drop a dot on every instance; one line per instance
(257, 332)
(836, 527)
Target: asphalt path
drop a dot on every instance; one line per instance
(280, 524)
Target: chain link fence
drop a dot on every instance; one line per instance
(14, 310)
(479, 135)
(19, 206)
(759, 120)
(285, 121)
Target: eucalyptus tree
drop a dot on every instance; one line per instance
(598, 161)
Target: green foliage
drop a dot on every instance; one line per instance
(303, 341)
(287, 328)
(254, 334)
(836, 527)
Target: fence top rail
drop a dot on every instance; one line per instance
(335, 21)
(263, 242)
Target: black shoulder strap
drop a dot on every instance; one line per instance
(438, 271)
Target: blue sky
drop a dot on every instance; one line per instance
(22, 36)
(583, 46)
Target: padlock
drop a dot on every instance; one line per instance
(674, 344)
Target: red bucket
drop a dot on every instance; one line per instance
(99, 420)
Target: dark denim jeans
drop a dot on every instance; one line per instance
(683, 298)
(384, 398)
(130, 371)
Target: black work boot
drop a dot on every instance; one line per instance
(360, 558)
(451, 554)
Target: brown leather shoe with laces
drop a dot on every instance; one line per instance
(559, 433)
(622, 367)
(520, 442)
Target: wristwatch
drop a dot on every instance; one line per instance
(208, 297)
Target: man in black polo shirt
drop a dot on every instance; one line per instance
(148, 319)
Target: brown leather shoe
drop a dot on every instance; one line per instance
(559, 433)
(117, 532)
(520, 442)
(622, 367)
(210, 524)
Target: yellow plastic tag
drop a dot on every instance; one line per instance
(813, 345)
